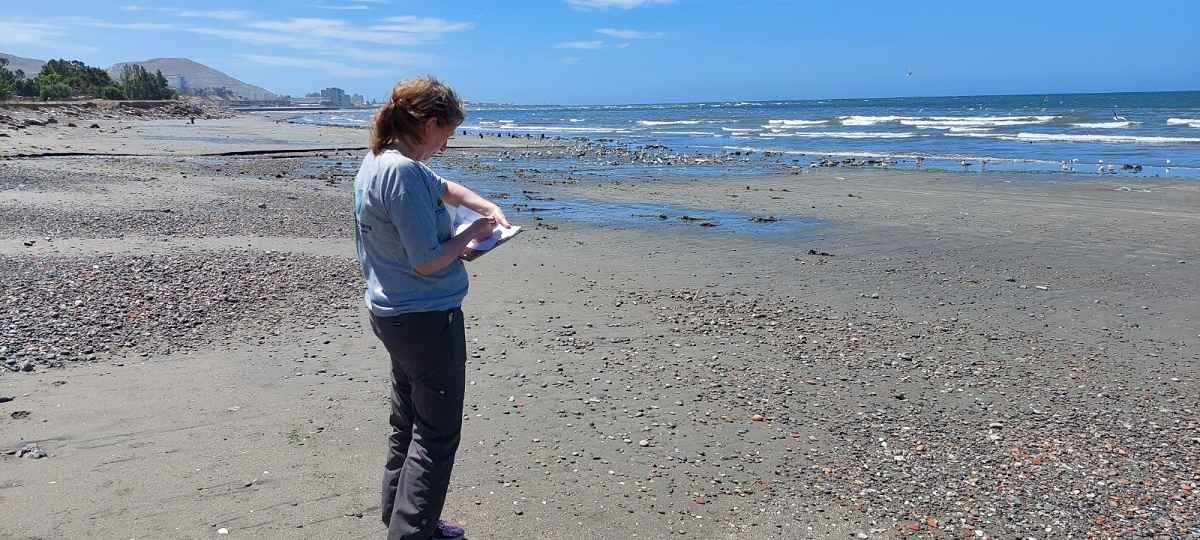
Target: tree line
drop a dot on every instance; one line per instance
(62, 79)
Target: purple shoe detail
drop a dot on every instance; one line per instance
(446, 530)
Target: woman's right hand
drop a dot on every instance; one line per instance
(481, 229)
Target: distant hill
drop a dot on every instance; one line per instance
(196, 75)
(30, 66)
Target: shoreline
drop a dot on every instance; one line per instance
(926, 363)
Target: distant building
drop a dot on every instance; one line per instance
(177, 83)
(335, 97)
(358, 100)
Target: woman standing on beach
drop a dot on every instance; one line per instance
(415, 284)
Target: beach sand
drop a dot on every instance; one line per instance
(938, 355)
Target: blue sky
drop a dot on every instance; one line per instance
(637, 51)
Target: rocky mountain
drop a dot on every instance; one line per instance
(30, 66)
(185, 73)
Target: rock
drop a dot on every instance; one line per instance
(26, 366)
(643, 443)
(20, 415)
(94, 126)
(222, 530)
(31, 451)
(6, 399)
(71, 124)
(263, 206)
(29, 243)
(758, 418)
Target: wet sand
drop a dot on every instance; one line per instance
(944, 355)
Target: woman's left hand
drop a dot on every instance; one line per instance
(496, 213)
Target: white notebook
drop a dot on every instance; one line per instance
(464, 217)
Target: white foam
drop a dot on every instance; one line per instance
(1067, 137)
(669, 122)
(945, 121)
(546, 129)
(1189, 122)
(739, 130)
(705, 133)
(1104, 125)
(840, 135)
(775, 124)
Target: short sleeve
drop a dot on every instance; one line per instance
(412, 207)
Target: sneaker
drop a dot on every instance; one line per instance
(446, 530)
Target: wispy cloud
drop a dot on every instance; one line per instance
(343, 7)
(29, 34)
(221, 15)
(589, 45)
(338, 69)
(405, 30)
(139, 7)
(629, 34)
(572, 60)
(618, 4)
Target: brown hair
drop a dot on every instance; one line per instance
(414, 102)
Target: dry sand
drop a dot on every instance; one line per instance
(963, 355)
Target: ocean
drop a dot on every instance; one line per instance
(1142, 134)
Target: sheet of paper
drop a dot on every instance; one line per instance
(464, 217)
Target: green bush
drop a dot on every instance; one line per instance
(112, 92)
(58, 90)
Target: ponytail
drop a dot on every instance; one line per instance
(411, 105)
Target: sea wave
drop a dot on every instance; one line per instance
(794, 123)
(840, 135)
(545, 129)
(669, 122)
(1080, 138)
(1104, 125)
(1189, 122)
(704, 133)
(739, 130)
(945, 121)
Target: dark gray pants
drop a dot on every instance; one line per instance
(429, 356)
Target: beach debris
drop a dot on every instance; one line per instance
(819, 253)
(19, 415)
(6, 399)
(29, 243)
(764, 219)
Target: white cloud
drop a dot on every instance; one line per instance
(339, 69)
(397, 31)
(589, 45)
(30, 34)
(409, 23)
(138, 7)
(619, 4)
(572, 60)
(97, 23)
(623, 45)
(629, 34)
(221, 15)
(254, 37)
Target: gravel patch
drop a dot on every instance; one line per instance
(61, 309)
(310, 215)
(728, 403)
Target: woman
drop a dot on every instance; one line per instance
(415, 284)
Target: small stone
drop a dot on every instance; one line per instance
(758, 418)
(643, 443)
(222, 530)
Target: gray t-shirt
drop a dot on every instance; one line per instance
(401, 224)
